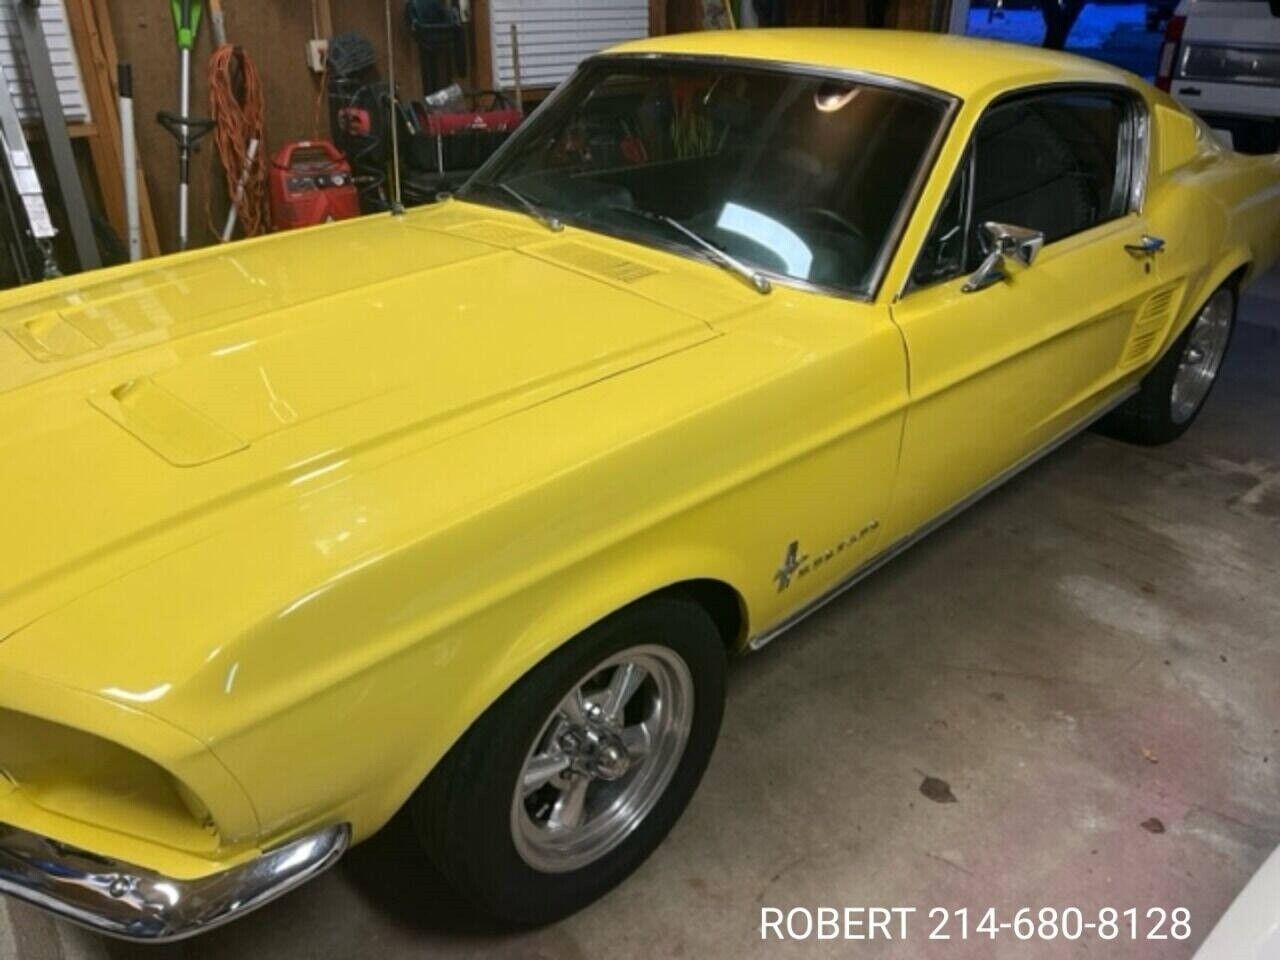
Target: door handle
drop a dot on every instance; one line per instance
(1148, 246)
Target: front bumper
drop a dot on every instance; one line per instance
(126, 901)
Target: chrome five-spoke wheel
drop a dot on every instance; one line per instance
(1201, 358)
(576, 773)
(602, 759)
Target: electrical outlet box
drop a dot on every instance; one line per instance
(317, 55)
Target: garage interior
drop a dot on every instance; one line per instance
(276, 38)
(1073, 686)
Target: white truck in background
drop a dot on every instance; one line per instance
(1221, 58)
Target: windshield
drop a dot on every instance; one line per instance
(797, 176)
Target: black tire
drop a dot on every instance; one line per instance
(463, 812)
(1147, 418)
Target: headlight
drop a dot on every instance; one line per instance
(95, 781)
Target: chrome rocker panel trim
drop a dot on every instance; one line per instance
(133, 903)
(880, 559)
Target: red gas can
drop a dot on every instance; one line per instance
(311, 183)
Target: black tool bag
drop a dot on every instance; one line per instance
(462, 140)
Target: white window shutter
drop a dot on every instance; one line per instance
(556, 35)
(62, 51)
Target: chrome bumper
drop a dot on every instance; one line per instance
(134, 903)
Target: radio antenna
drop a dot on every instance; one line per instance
(397, 204)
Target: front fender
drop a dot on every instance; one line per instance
(473, 664)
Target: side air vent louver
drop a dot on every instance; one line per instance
(603, 264)
(1148, 328)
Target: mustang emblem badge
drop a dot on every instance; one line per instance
(797, 564)
(790, 564)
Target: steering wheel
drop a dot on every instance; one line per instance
(831, 217)
(858, 248)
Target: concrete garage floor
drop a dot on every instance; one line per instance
(1091, 647)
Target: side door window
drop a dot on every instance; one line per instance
(1053, 162)
(1060, 162)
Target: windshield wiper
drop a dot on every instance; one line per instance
(550, 221)
(759, 282)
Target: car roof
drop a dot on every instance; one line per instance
(962, 66)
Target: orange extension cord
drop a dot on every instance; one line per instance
(239, 112)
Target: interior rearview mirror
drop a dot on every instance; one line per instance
(1002, 242)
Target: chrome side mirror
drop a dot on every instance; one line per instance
(1001, 242)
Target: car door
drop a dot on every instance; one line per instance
(998, 373)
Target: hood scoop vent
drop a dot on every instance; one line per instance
(602, 264)
(50, 337)
(132, 313)
(177, 431)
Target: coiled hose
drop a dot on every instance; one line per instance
(239, 114)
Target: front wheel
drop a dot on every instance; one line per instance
(564, 786)
(1173, 393)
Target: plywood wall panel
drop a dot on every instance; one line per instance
(275, 33)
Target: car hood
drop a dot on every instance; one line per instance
(141, 407)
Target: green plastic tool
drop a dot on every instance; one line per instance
(186, 21)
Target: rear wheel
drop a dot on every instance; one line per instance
(564, 786)
(1173, 393)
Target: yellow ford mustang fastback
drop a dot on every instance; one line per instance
(461, 512)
